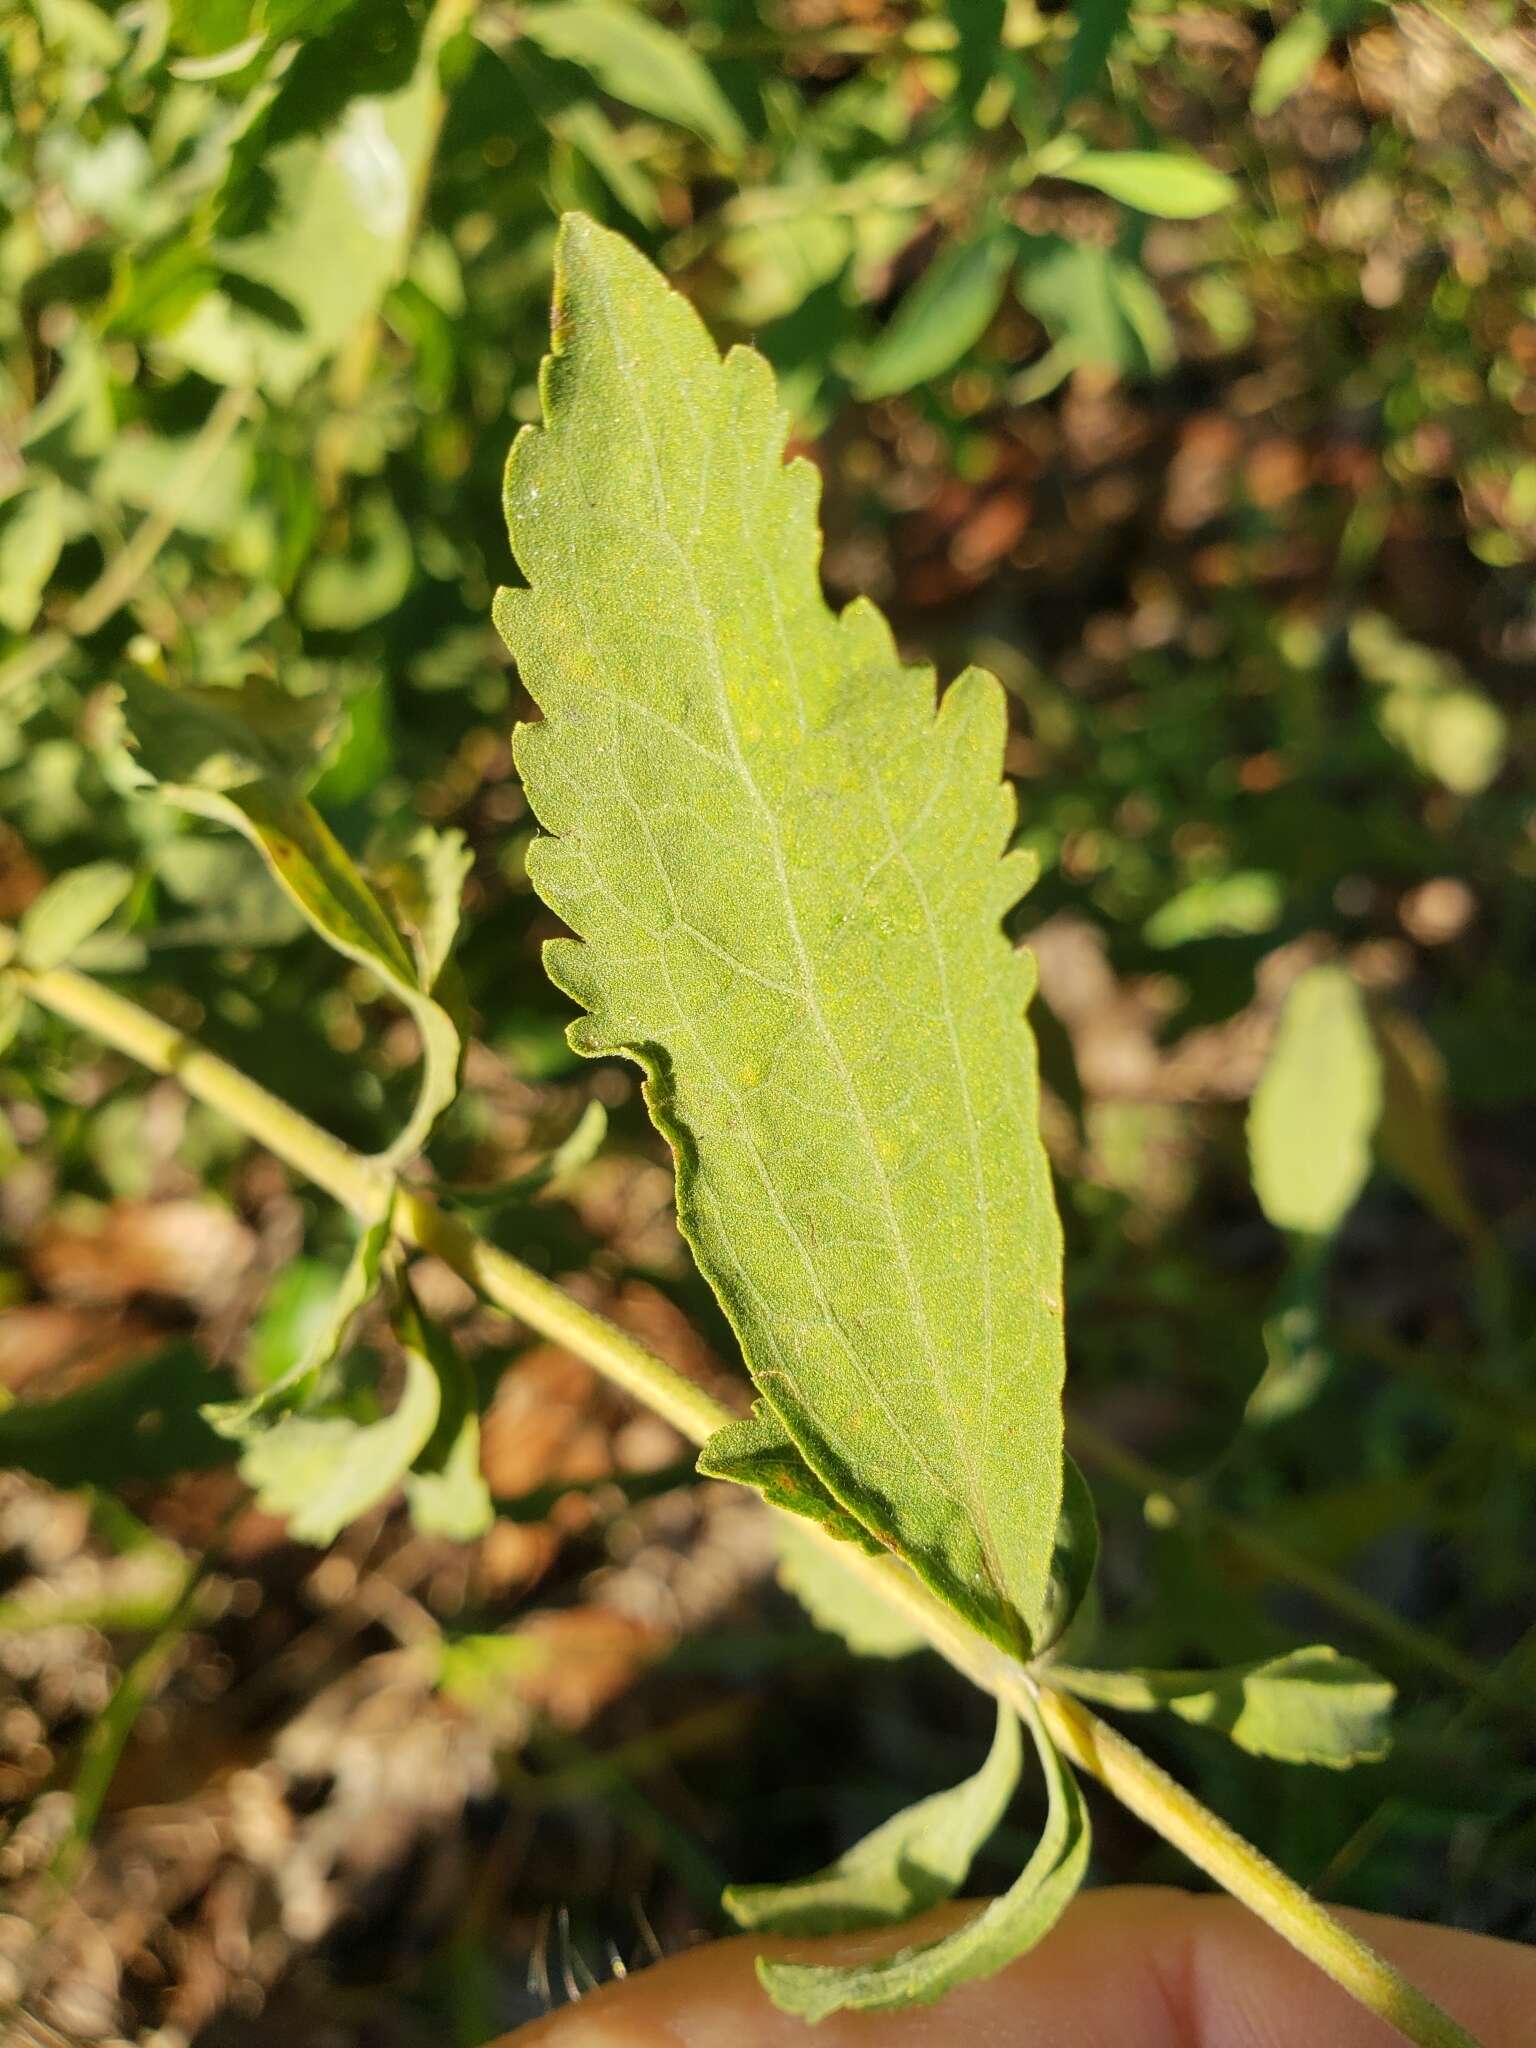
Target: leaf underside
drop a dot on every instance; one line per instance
(907, 1864)
(1007, 1928)
(1308, 1706)
(786, 870)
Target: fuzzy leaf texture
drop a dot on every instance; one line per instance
(907, 1864)
(1309, 1706)
(1007, 1928)
(786, 868)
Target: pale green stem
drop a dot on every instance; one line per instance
(1139, 1783)
(1239, 1868)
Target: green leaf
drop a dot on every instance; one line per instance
(317, 872)
(1290, 60)
(320, 1472)
(636, 60)
(758, 1452)
(425, 886)
(1316, 1106)
(1000, 1933)
(445, 1489)
(1308, 1707)
(945, 313)
(1098, 24)
(1098, 308)
(215, 755)
(576, 1150)
(334, 238)
(343, 592)
(788, 880)
(1248, 900)
(1153, 181)
(74, 905)
(140, 1422)
(219, 739)
(837, 1599)
(480, 1671)
(1426, 704)
(293, 1388)
(13, 1006)
(909, 1863)
(32, 536)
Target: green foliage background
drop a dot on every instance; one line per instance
(1225, 462)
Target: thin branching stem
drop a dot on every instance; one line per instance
(360, 1185)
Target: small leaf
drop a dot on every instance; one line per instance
(946, 312)
(320, 1472)
(1290, 60)
(1414, 1140)
(291, 1390)
(75, 905)
(1000, 1932)
(1307, 1707)
(225, 775)
(425, 887)
(1426, 704)
(1098, 308)
(142, 1421)
(31, 539)
(1316, 1105)
(837, 1599)
(1250, 900)
(479, 1671)
(447, 1493)
(758, 1452)
(909, 1863)
(569, 1156)
(345, 591)
(1154, 181)
(636, 60)
(1098, 24)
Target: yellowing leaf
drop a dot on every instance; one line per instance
(238, 757)
(1316, 1106)
(787, 870)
